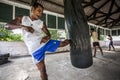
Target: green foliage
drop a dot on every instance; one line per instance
(7, 35)
(102, 37)
(54, 34)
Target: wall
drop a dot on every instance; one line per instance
(14, 48)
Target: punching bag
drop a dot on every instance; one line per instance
(78, 29)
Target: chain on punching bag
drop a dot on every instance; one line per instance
(78, 29)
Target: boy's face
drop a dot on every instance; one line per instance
(37, 12)
(91, 31)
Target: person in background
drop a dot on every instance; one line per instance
(32, 30)
(95, 41)
(110, 42)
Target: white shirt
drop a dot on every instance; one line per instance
(32, 40)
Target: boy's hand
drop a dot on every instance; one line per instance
(45, 39)
(29, 29)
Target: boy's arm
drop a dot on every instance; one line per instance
(46, 31)
(91, 32)
(14, 24)
(48, 36)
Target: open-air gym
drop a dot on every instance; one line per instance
(59, 39)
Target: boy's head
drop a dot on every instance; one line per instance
(92, 29)
(36, 10)
(36, 4)
(109, 35)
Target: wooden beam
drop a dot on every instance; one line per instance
(53, 3)
(98, 8)
(110, 10)
(90, 3)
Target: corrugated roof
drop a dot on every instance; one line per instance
(105, 13)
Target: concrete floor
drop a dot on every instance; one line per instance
(59, 67)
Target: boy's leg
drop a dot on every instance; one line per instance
(65, 42)
(94, 51)
(42, 69)
(94, 48)
(109, 47)
(100, 50)
(113, 48)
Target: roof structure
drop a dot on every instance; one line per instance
(105, 13)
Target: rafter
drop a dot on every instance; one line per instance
(90, 3)
(117, 5)
(53, 3)
(110, 9)
(97, 15)
(99, 8)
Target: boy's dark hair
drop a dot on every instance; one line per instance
(92, 29)
(109, 35)
(35, 4)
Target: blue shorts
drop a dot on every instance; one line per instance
(111, 43)
(50, 46)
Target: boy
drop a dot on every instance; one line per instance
(32, 28)
(96, 44)
(111, 43)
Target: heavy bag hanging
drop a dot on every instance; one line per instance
(78, 29)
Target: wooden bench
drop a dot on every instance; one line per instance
(4, 58)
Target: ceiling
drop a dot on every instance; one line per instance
(105, 13)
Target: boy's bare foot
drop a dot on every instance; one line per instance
(65, 42)
(94, 56)
(68, 41)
